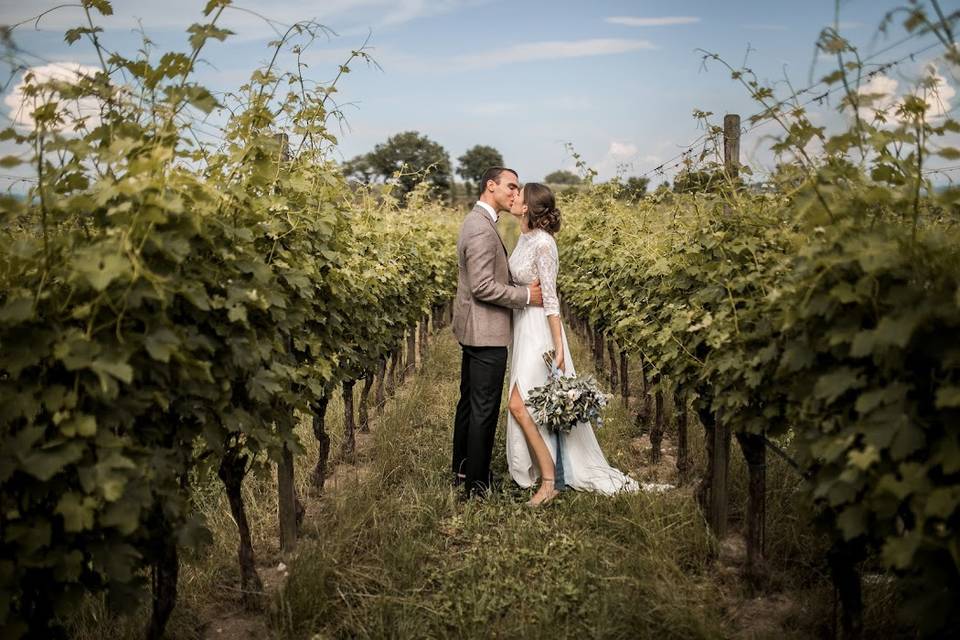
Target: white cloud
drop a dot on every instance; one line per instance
(551, 50)
(622, 150)
(935, 91)
(880, 92)
(21, 106)
(617, 160)
(630, 21)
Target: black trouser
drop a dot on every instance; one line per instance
(481, 385)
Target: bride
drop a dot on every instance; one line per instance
(532, 451)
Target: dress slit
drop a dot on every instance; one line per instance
(583, 467)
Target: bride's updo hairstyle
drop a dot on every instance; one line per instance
(542, 212)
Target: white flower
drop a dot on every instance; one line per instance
(573, 394)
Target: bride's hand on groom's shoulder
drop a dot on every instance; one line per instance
(536, 296)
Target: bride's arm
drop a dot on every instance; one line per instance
(557, 332)
(547, 267)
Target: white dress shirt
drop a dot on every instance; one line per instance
(495, 218)
(489, 209)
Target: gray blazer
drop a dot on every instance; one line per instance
(486, 293)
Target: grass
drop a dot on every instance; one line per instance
(388, 551)
(397, 556)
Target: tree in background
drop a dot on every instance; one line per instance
(359, 169)
(409, 155)
(476, 160)
(562, 177)
(662, 190)
(696, 181)
(634, 188)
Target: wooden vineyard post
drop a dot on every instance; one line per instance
(624, 379)
(755, 453)
(614, 374)
(349, 425)
(719, 482)
(731, 149)
(319, 474)
(401, 361)
(392, 374)
(288, 507)
(598, 352)
(411, 352)
(424, 337)
(844, 558)
(166, 573)
(704, 489)
(683, 452)
(364, 409)
(656, 429)
(380, 397)
(287, 502)
(643, 411)
(232, 469)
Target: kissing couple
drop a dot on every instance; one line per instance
(512, 301)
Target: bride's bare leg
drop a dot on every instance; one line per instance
(541, 454)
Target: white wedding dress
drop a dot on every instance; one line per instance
(582, 464)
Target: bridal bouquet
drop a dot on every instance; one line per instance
(564, 402)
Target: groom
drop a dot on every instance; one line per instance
(482, 319)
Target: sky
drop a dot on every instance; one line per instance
(617, 80)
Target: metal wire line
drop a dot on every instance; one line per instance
(955, 167)
(13, 178)
(823, 96)
(759, 118)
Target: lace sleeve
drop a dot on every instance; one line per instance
(548, 264)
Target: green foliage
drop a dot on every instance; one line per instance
(562, 177)
(822, 315)
(409, 158)
(636, 187)
(400, 558)
(358, 168)
(475, 161)
(692, 180)
(632, 189)
(164, 304)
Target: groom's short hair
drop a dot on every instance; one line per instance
(493, 173)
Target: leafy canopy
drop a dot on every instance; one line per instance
(562, 177)
(475, 161)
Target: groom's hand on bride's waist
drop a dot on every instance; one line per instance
(536, 297)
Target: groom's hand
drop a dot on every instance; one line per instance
(536, 296)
